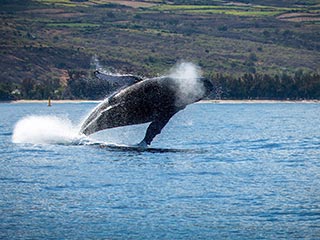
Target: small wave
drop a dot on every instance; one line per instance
(6, 134)
(133, 148)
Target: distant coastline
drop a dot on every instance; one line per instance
(259, 101)
(55, 101)
(202, 101)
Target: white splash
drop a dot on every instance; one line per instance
(187, 76)
(45, 130)
(96, 65)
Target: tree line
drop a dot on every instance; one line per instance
(81, 85)
(298, 86)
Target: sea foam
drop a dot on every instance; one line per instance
(45, 130)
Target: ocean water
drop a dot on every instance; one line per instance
(217, 171)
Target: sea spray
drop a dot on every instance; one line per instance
(187, 76)
(46, 130)
(96, 64)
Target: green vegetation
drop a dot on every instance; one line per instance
(64, 3)
(296, 86)
(44, 40)
(242, 10)
(236, 12)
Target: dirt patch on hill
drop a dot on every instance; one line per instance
(299, 17)
(133, 4)
(54, 13)
(45, 11)
(63, 76)
(304, 19)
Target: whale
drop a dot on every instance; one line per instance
(150, 100)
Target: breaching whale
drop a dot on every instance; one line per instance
(153, 100)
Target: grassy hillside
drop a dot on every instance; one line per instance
(43, 40)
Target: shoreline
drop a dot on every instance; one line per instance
(258, 101)
(54, 101)
(202, 101)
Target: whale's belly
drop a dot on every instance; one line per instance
(144, 102)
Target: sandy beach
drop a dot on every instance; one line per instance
(258, 101)
(55, 101)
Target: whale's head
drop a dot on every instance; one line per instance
(189, 91)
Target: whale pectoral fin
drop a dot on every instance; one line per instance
(155, 128)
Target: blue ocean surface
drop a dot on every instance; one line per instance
(217, 171)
